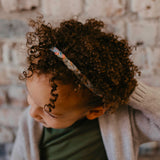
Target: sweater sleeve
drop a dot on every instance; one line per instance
(27, 139)
(17, 151)
(145, 117)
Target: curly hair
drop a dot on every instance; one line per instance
(102, 57)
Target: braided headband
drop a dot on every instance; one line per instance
(76, 71)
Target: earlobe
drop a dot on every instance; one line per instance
(95, 113)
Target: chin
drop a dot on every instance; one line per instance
(56, 126)
(63, 127)
(45, 125)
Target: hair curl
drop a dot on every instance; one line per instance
(102, 57)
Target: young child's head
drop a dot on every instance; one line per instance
(58, 97)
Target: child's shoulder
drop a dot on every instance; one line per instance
(119, 116)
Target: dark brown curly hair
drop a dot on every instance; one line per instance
(102, 57)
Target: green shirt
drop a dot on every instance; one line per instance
(81, 141)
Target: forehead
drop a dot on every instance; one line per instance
(41, 80)
(39, 88)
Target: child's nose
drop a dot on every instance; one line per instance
(35, 113)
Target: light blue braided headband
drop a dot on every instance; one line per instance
(76, 71)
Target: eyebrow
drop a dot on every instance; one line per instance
(57, 114)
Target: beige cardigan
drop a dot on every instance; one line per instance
(122, 132)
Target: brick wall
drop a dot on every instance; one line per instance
(138, 21)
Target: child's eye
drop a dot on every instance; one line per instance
(50, 114)
(48, 110)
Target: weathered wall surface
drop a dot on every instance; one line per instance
(137, 21)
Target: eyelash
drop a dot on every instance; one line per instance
(50, 115)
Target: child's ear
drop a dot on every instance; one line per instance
(95, 112)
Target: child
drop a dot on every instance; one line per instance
(79, 81)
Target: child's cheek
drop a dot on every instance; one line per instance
(30, 101)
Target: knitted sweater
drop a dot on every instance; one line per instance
(122, 132)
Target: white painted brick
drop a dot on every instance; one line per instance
(147, 59)
(28, 4)
(13, 29)
(13, 73)
(154, 60)
(139, 57)
(9, 117)
(115, 26)
(18, 54)
(151, 80)
(15, 5)
(9, 5)
(4, 80)
(146, 8)
(103, 8)
(119, 28)
(158, 37)
(6, 135)
(142, 31)
(10, 74)
(17, 96)
(6, 53)
(2, 96)
(61, 9)
(17, 92)
(110, 25)
(18, 103)
(14, 53)
(1, 44)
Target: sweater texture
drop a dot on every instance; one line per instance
(122, 132)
